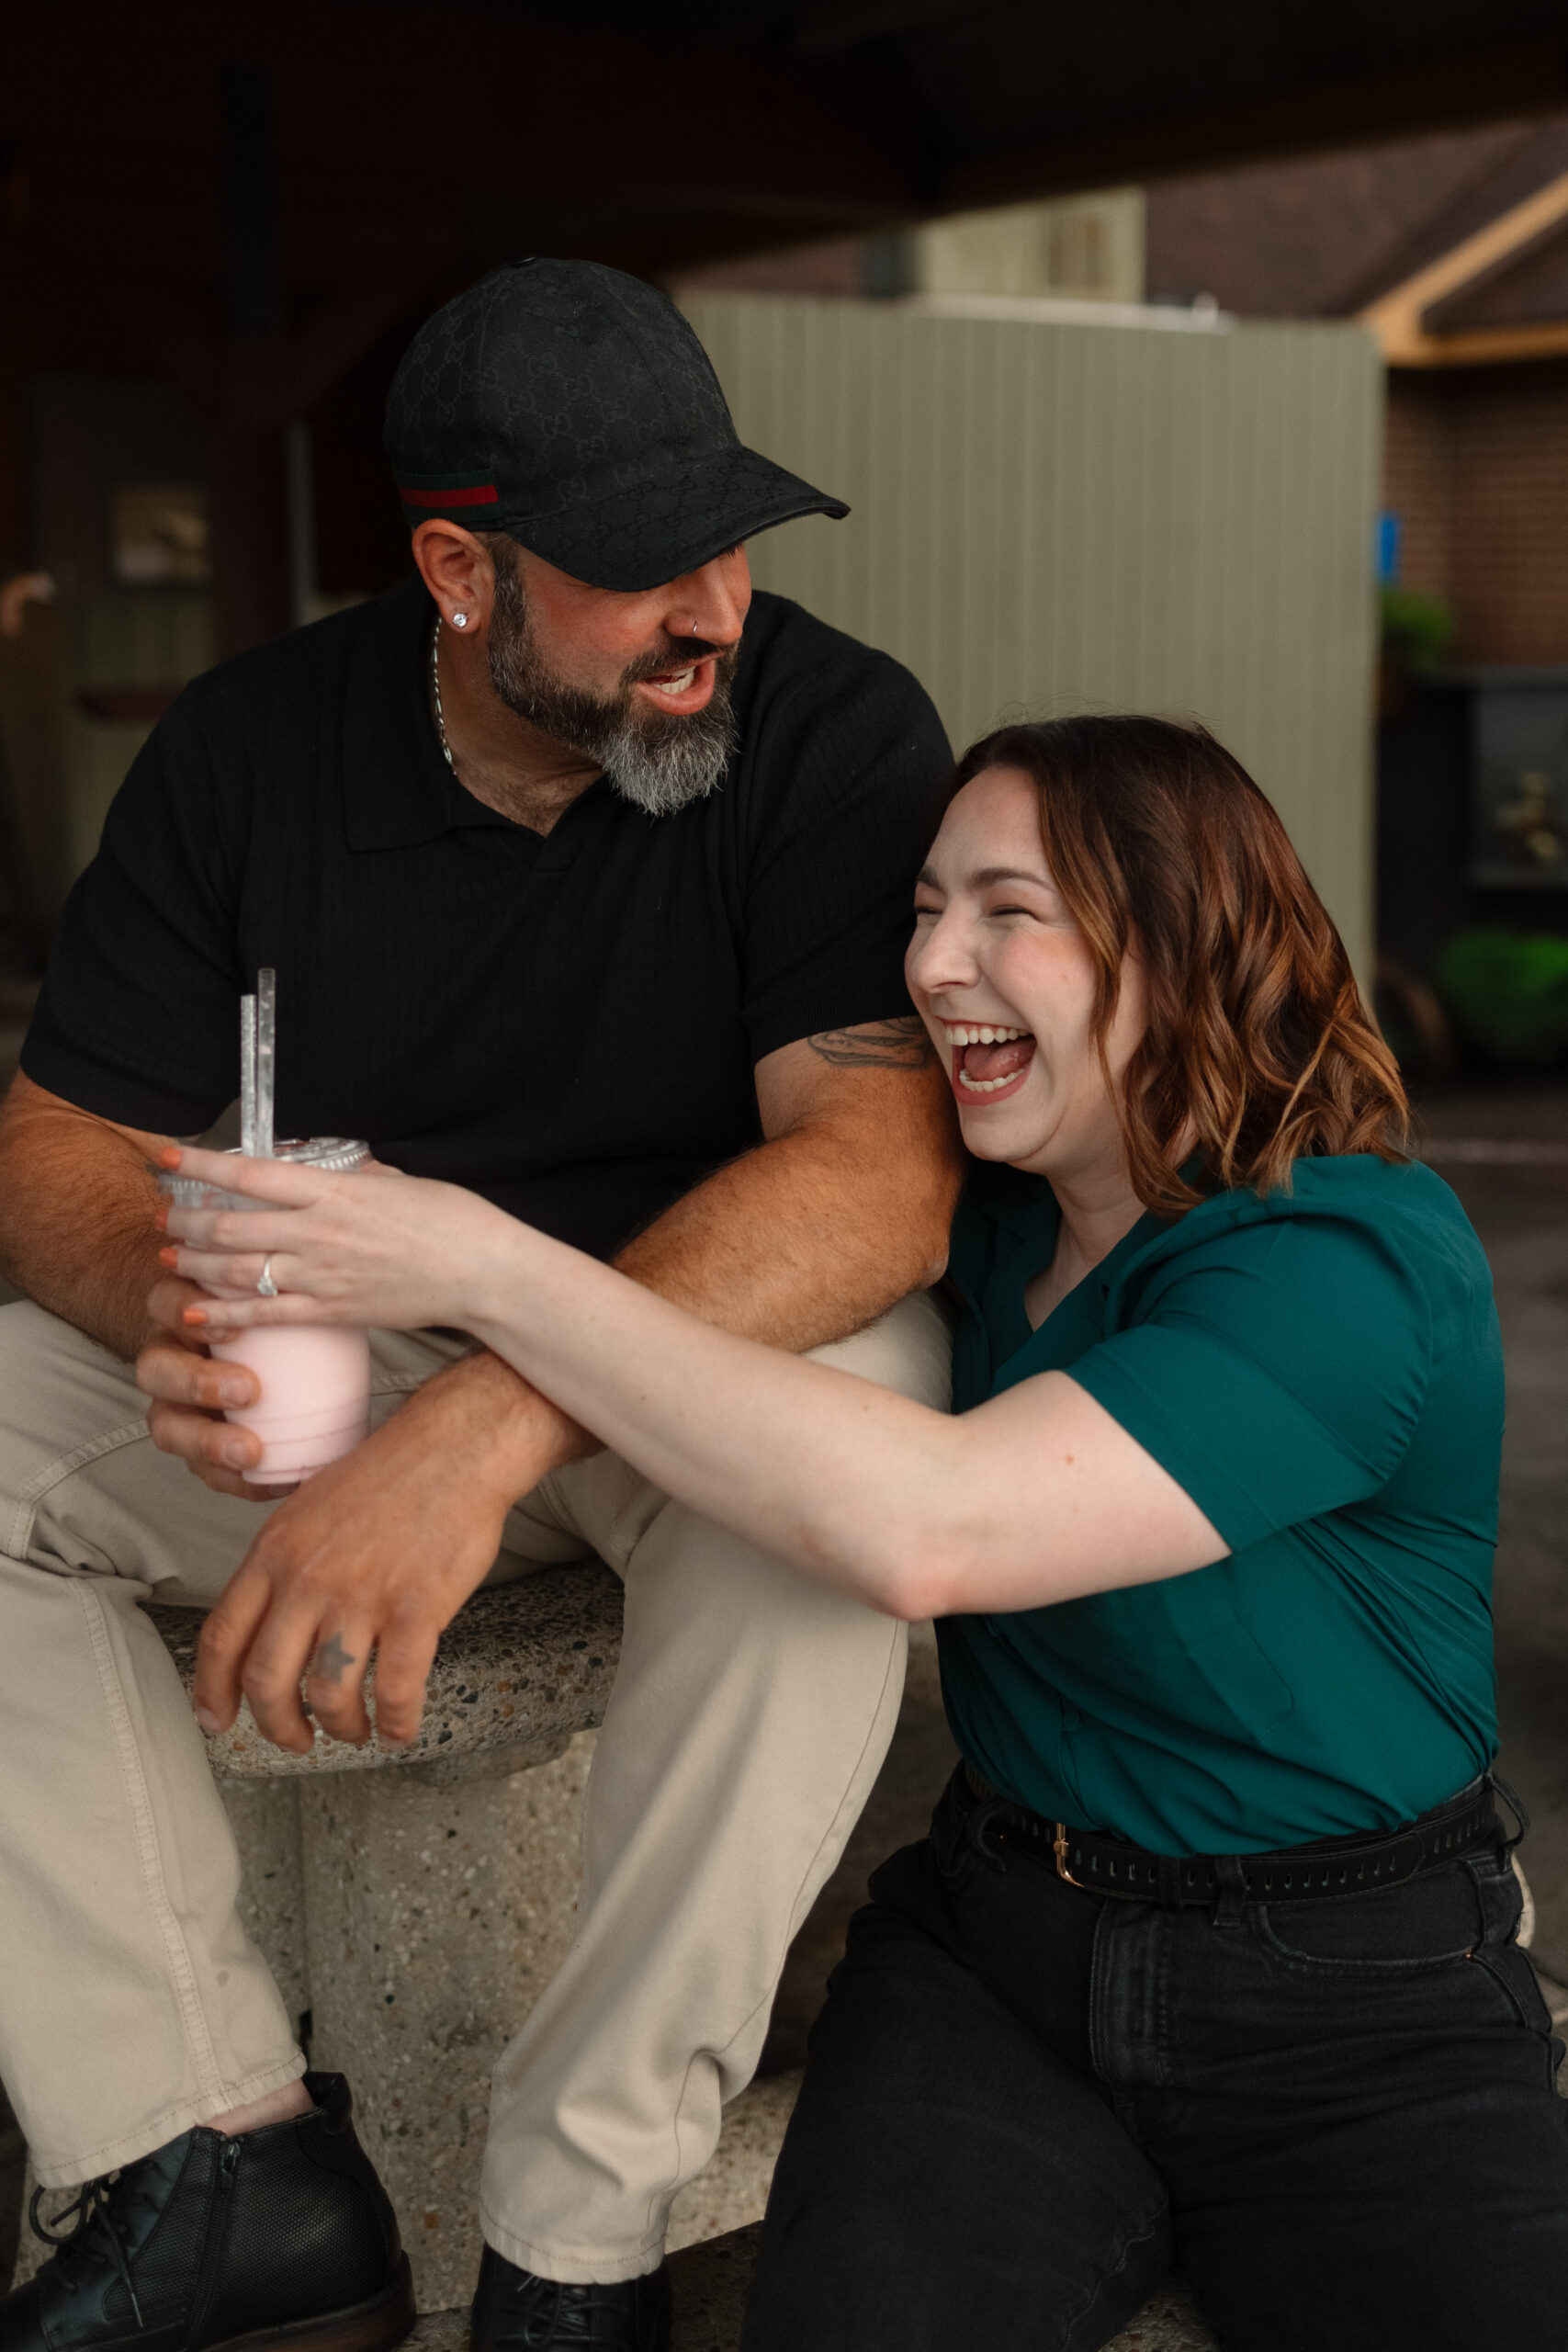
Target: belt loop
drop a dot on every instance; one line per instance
(1232, 1890)
(1516, 1805)
(977, 1823)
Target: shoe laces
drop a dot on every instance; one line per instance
(550, 2313)
(95, 2229)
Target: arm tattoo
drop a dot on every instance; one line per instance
(332, 1661)
(901, 1044)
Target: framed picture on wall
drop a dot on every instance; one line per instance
(160, 535)
(1519, 780)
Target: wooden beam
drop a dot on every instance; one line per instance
(1398, 317)
(1493, 346)
(1445, 93)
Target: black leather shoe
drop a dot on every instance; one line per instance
(282, 2237)
(515, 2312)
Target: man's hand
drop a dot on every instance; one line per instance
(379, 1551)
(190, 1391)
(852, 1191)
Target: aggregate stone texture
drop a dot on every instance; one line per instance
(710, 2283)
(733, 2187)
(437, 1911)
(520, 1668)
(1168, 2323)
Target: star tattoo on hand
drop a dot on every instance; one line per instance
(332, 1661)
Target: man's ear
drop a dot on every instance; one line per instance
(457, 569)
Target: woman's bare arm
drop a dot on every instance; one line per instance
(1036, 1497)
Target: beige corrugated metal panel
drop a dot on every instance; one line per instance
(1060, 517)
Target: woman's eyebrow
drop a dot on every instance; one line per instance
(928, 878)
(991, 874)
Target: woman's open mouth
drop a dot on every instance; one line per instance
(988, 1063)
(682, 691)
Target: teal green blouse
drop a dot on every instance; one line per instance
(1321, 1372)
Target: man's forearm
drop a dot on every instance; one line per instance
(801, 1242)
(76, 1208)
(797, 1244)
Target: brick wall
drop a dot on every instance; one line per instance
(1416, 483)
(1508, 471)
(1477, 468)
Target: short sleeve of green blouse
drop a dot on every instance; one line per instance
(1277, 1369)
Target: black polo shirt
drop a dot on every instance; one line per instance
(565, 1023)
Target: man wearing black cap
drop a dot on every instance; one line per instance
(586, 889)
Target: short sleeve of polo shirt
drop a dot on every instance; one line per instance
(856, 754)
(136, 1020)
(1277, 1370)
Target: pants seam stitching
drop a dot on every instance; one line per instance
(797, 1922)
(56, 1470)
(140, 1804)
(767, 2000)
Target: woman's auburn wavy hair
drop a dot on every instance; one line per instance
(1258, 1050)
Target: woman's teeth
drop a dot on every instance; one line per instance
(984, 1057)
(958, 1035)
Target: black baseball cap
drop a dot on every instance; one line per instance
(573, 406)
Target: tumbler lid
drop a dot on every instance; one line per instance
(333, 1154)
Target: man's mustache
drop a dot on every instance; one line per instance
(677, 652)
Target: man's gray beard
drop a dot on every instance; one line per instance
(654, 759)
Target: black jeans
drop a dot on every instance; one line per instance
(1022, 2101)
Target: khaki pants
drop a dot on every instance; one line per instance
(747, 1720)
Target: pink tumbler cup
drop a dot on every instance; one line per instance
(314, 1377)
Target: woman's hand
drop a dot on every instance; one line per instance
(373, 1247)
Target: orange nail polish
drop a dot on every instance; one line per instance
(170, 1156)
(195, 1314)
(168, 1257)
(161, 1218)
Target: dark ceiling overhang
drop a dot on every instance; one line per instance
(247, 197)
(607, 127)
(249, 200)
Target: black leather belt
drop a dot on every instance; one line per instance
(1109, 1866)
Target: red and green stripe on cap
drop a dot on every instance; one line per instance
(468, 497)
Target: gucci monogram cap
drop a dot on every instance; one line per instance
(573, 406)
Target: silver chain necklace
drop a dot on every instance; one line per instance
(435, 683)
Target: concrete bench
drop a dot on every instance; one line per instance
(413, 1902)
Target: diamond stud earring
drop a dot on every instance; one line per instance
(459, 620)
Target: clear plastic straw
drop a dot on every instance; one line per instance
(248, 1076)
(267, 1058)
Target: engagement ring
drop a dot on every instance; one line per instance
(265, 1283)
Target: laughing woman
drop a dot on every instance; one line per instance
(1212, 1948)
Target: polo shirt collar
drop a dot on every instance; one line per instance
(1008, 1196)
(398, 789)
